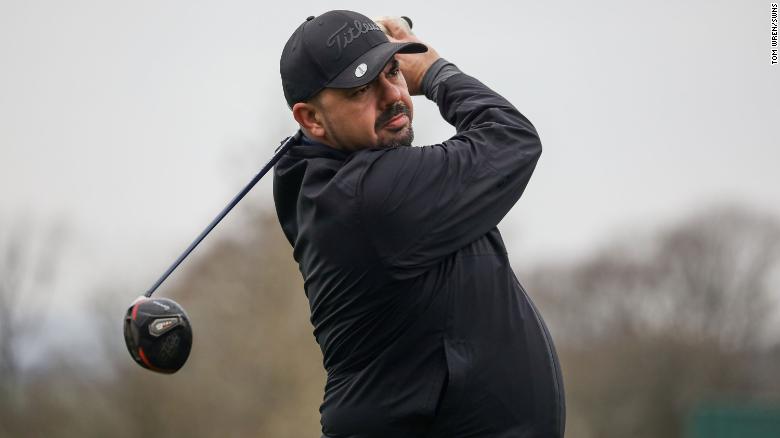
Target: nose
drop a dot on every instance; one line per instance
(390, 92)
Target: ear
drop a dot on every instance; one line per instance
(308, 116)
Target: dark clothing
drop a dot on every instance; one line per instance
(424, 329)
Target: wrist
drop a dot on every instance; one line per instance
(437, 73)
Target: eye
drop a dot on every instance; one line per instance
(361, 90)
(395, 71)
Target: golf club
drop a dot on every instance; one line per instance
(157, 331)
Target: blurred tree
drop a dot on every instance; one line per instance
(649, 327)
(28, 263)
(27, 268)
(645, 329)
(255, 368)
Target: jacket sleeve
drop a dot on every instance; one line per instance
(420, 204)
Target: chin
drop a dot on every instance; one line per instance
(404, 137)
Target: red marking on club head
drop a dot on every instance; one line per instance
(135, 310)
(144, 359)
(146, 362)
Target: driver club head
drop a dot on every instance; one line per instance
(158, 334)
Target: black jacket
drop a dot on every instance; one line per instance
(424, 329)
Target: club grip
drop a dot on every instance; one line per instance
(403, 21)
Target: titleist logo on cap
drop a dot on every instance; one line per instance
(343, 36)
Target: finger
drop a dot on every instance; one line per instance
(397, 28)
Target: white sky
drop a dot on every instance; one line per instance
(136, 122)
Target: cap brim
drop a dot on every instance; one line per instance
(374, 60)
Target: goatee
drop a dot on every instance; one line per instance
(405, 137)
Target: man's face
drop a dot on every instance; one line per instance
(376, 114)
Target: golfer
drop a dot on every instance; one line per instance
(424, 329)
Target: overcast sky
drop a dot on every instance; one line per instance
(135, 122)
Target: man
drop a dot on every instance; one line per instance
(424, 329)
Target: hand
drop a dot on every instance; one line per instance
(414, 65)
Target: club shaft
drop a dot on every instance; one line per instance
(280, 151)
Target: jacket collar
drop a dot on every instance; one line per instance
(308, 148)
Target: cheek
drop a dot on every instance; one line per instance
(360, 122)
(352, 127)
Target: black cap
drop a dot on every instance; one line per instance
(338, 49)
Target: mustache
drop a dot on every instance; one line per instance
(396, 109)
